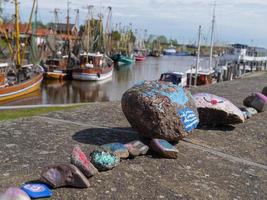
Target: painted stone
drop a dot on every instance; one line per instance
(164, 148)
(160, 110)
(245, 112)
(260, 102)
(80, 160)
(264, 91)
(14, 193)
(252, 111)
(117, 149)
(104, 160)
(37, 190)
(248, 100)
(64, 175)
(215, 110)
(136, 148)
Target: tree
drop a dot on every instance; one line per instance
(162, 39)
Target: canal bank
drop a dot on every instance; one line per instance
(223, 163)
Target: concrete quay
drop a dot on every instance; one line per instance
(218, 163)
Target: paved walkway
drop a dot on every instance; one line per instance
(226, 163)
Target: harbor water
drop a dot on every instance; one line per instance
(63, 92)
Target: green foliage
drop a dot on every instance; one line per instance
(162, 39)
(116, 36)
(14, 114)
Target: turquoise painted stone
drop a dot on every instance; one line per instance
(62, 175)
(80, 160)
(160, 110)
(136, 148)
(104, 160)
(14, 193)
(117, 149)
(164, 148)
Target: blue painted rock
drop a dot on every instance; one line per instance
(252, 111)
(64, 175)
(37, 190)
(245, 112)
(164, 148)
(160, 110)
(104, 160)
(264, 91)
(260, 102)
(117, 149)
(215, 110)
(14, 193)
(136, 148)
(80, 160)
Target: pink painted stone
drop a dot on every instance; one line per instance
(136, 148)
(62, 175)
(80, 160)
(215, 110)
(164, 148)
(14, 193)
(260, 102)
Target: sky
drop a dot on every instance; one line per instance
(237, 21)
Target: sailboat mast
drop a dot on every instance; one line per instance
(211, 37)
(17, 32)
(68, 19)
(198, 54)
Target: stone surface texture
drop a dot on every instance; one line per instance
(63, 175)
(160, 110)
(29, 144)
(80, 160)
(216, 110)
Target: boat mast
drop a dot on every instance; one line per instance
(68, 19)
(198, 54)
(17, 33)
(211, 37)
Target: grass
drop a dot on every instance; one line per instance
(19, 113)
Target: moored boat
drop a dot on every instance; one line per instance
(93, 67)
(140, 58)
(56, 68)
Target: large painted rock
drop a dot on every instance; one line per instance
(136, 148)
(215, 110)
(80, 160)
(164, 148)
(117, 149)
(64, 175)
(37, 190)
(104, 160)
(260, 102)
(14, 193)
(264, 91)
(160, 110)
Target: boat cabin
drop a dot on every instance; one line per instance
(3, 71)
(204, 76)
(176, 78)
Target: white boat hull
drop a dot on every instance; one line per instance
(91, 77)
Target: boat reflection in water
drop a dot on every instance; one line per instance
(61, 92)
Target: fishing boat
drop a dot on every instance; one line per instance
(177, 78)
(120, 59)
(18, 79)
(170, 51)
(140, 58)
(56, 68)
(93, 67)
